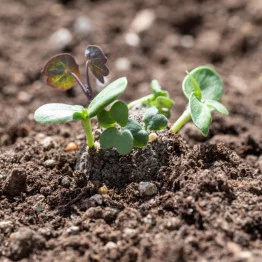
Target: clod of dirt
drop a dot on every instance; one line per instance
(15, 183)
(23, 242)
(115, 170)
(147, 189)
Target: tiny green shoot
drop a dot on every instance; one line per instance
(203, 87)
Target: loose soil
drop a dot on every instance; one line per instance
(208, 204)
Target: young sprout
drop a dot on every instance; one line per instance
(203, 87)
(121, 132)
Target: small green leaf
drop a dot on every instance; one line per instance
(119, 112)
(209, 81)
(54, 113)
(197, 89)
(217, 106)
(123, 142)
(140, 135)
(107, 96)
(164, 102)
(105, 119)
(58, 69)
(201, 114)
(153, 120)
(97, 62)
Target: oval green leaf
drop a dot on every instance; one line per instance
(58, 69)
(209, 81)
(153, 120)
(107, 96)
(55, 113)
(123, 142)
(201, 114)
(217, 106)
(119, 112)
(139, 134)
(105, 119)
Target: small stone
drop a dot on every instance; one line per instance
(71, 147)
(6, 227)
(132, 39)
(48, 143)
(152, 137)
(122, 64)
(98, 199)
(94, 212)
(83, 26)
(102, 190)
(147, 189)
(65, 182)
(24, 97)
(129, 233)
(187, 41)
(209, 41)
(61, 39)
(143, 21)
(110, 245)
(15, 183)
(73, 230)
(97, 146)
(50, 163)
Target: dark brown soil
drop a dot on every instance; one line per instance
(205, 197)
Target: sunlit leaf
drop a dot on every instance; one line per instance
(217, 106)
(97, 62)
(153, 120)
(58, 69)
(56, 112)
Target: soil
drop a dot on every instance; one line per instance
(204, 197)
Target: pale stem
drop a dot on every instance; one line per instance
(87, 126)
(183, 119)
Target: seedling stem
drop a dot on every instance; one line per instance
(87, 126)
(181, 121)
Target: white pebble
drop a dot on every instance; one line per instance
(83, 26)
(61, 39)
(187, 41)
(122, 64)
(132, 39)
(143, 21)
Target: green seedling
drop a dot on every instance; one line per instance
(159, 99)
(203, 87)
(121, 132)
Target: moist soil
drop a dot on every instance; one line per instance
(183, 197)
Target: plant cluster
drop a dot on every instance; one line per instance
(203, 88)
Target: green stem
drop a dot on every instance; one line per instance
(87, 126)
(183, 119)
(141, 100)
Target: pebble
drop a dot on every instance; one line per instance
(102, 190)
(71, 147)
(6, 227)
(50, 163)
(98, 199)
(48, 143)
(132, 39)
(123, 64)
(83, 26)
(187, 41)
(143, 21)
(110, 245)
(24, 97)
(61, 39)
(73, 230)
(65, 182)
(15, 183)
(152, 137)
(147, 189)
(209, 41)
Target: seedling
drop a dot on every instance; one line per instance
(121, 132)
(203, 87)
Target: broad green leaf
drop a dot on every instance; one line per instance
(164, 102)
(58, 69)
(210, 83)
(97, 62)
(197, 89)
(153, 120)
(140, 135)
(54, 113)
(105, 119)
(201, 114)
(217, 106)
(119, 112)
(107, 96)
(123, 142)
